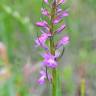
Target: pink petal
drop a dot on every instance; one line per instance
(61, 28)
(45, 12)
(42, 24)
(46, 1)
(64, 41)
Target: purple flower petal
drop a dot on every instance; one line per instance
(64, 41)
(59, 9)
(48, 55)
(64, 14)
(46, 1)
(45, 12)
(61, 28)
(57, 20)
(50, 63)
(42, 73)
(42, 24)
(41, 80)
(49, 60)
(60, 16)
(42, 39)
(43, 77)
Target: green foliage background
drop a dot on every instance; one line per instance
(18, 32)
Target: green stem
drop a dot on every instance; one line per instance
(54, 85)
(52, 49)
(83, 87)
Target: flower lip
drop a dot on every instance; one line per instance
(45, 12)
(41, 80)
(42, 24)
(43, 77)
(64, 41)
(52, 63)
(42, 39)
(49, 60)
(56, 20)
(64, 13)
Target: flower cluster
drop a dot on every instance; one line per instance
(55, 17)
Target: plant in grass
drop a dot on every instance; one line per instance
(54, 14)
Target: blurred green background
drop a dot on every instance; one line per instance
(17, 34)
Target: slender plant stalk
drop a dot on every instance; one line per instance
(52, 49)
(83, 88)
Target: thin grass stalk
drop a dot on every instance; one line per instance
(52, 50)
